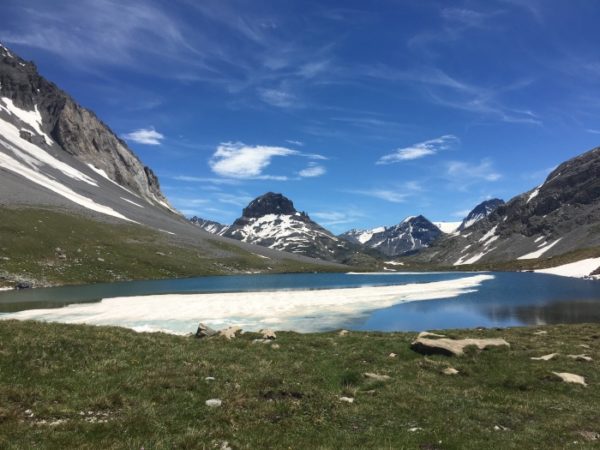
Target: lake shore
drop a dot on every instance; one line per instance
(67, 386)
(300, 310)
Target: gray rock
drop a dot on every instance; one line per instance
(204, 331)
(453, 347)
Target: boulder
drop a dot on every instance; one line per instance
(453, 347)
(205, 331)
(230, 333)
(347, 399)
(268, 334)
(450, 371)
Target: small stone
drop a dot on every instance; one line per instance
(450, 371)
(204, 331)
(214, 402)
(225, 446)
(413, 429)
(347, 399)
(268, 334)
(540, 333)
(571, 378)
(209, 378)
(275, 346)
(392, 355)
(545, 357)
(376, 376)
(261, 341)
(585, 346)
(500, 428)
(580, 357)
(343, 332)
(100, 259)
(160, 254)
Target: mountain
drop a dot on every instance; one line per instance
(560, 216)
(411, 235)
(480, 212)
(209, 225)
(61, 165)
(271, 220)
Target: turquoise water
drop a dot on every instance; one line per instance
(508, 299)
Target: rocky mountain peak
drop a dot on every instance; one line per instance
(481, 211)
(72, 128)
(269, 203)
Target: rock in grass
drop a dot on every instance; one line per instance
(453, 347)
(392, 355)
(347, 399)
(540, 333)
(343, 332)
(214, 402)
(376, 376)
(268, 334)
(450, 371)
(545, 357)
(571, 378)
(205, 331)
(580, 357)
(230, 333)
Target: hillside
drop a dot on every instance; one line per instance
(58, 158)
(558, 217)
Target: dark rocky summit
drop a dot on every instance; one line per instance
(271, 220)
(480, 212)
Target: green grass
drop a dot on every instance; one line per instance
(151, 390)
(102, 252)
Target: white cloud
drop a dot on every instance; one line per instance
(333, 218)
(278, 97)
(211, 180)
(465, 172)
(419, 150)
(147, 136)
(593, 131)
(313, 170)
(238, 160)
(384, 194)
(293, 142)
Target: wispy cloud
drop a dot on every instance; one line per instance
(211, 180)
(313, 170)
(464, 174)
(335, 218)
(294, 142)
(146, 136)
(383, 194)
(281, 98)
(419, 150)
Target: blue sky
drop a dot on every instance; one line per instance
(361, 112)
